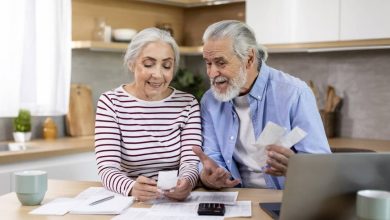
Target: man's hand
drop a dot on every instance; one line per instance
(212, 175)
(278, 157)
(144, 189)
(181, 191)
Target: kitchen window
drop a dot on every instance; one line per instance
(35, 56)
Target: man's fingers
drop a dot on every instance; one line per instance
(231, 183)
(199, 152)
(282, 159)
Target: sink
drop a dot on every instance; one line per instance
(14, 147)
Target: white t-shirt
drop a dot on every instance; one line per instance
(248, 157)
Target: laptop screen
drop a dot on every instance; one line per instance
(324, 186)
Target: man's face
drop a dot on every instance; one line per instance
(226, 71)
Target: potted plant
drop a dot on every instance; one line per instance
(22, 126)
(186, 81)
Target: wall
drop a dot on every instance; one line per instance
(362, 78)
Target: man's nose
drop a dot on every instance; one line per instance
(212, 71)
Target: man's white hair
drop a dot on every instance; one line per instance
(242, 36)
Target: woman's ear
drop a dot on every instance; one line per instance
(130, 66)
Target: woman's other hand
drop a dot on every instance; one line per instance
(181, 191)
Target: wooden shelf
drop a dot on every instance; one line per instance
(271, 48)
(121, 47)
(329, 46)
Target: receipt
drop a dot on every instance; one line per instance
(167, 179)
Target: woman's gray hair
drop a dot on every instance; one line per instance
(242, 35)
(143, 38)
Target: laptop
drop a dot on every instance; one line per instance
(324, 186)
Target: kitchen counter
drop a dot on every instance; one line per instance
(40, 148)
(72, 145)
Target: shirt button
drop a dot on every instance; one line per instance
(258, 97)
(228, 161)
(231, 137)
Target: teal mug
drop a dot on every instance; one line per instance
(373, 205)
(30, 186)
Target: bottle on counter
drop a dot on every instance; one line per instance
(49, 129)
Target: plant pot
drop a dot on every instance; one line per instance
(22, 136)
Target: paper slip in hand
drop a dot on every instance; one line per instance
(292, 138)
(275, 134)
(271, 134)
(59, 206)
(167, 179)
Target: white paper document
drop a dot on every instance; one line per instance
(240, 209)
(216, 197)
(148, 214)
(167, 179)
(59, 206)
(110, 207)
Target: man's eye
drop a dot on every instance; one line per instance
(208, 63)
(221, 63)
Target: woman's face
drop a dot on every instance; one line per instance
(153, 71)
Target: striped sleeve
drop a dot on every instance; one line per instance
(191, 136)
(108, 148)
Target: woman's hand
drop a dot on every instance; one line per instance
(181, 191)
(144, 189)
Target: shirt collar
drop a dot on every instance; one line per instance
(258, 89)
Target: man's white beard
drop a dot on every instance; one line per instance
(233, 89)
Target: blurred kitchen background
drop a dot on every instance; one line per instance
(343, 43)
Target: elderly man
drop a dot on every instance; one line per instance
(245, 94)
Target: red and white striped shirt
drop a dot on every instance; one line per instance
(134, 137)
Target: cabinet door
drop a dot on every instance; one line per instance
(364, 19)
(287, 21)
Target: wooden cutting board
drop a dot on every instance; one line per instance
(80, 120)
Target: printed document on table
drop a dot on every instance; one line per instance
(240, 209)
(148, 214)
(216, 197)
(110, 207)
(59, 206)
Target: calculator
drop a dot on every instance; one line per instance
(211, 209)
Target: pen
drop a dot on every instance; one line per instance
(102, 200)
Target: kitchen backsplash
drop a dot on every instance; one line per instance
(362, 78)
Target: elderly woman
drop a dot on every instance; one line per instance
(146, 126)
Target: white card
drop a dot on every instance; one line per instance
(167, 179)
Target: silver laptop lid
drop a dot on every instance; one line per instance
(324, 186)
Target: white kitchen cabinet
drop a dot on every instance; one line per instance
(80, 166)
(287, 21)
(364, 19)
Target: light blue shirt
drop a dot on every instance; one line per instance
(275, 96)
